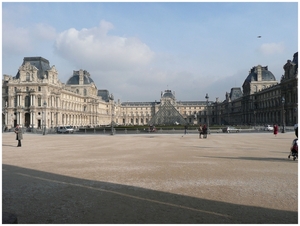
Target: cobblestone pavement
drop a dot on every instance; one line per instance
(150, 178)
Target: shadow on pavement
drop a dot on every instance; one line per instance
(254, 158)
(41, 197)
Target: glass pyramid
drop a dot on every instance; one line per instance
(167, 115)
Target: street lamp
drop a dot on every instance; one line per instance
(112, 114)
(44, 118)
(207, 116)
(283, 115)
(254, 119)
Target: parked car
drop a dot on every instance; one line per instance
(65, 129)
(268, 128)
(230, 129)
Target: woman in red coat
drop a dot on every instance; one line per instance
(275, 129)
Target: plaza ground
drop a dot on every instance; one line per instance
(150, 178)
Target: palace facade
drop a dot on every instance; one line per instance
(36, 98)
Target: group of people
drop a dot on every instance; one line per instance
(202, 131)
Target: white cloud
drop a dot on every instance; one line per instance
(93, 49)
(272, 48)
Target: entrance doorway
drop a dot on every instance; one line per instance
(27, 120)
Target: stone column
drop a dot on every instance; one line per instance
(34, 122)
(18, 100)
(6, 118)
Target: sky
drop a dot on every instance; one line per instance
(135, 50)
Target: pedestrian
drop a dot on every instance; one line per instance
(200, 131)
(19, 134)
(275, 129)
(204, 129)
(296, 129)
(185, 129)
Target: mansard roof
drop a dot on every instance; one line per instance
(235, 93)
(74, 79)
(167, 94)
(266, 75)
(40, 63)
(104, 94)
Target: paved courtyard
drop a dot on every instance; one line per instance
(150, 178)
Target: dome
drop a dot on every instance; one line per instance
(167, 94)
(266, 75)
(74, 80)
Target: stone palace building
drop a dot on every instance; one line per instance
(36, 98)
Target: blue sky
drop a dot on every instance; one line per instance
(138, 49)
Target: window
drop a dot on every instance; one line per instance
(27, 77)
(39, 89)
(39, 101)
(27, 101)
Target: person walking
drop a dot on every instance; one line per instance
(185, 129)
(200, 131)
(19, 134)
(275, 129)
(204, 129)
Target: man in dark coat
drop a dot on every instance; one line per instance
(19, 135)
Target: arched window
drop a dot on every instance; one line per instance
(27, 77)
(39, 101)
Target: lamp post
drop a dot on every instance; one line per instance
(112, 114)
(254, 119)
(44, 118)
(207, 116)
(283, 115)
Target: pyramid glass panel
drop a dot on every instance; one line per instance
(167, 115)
